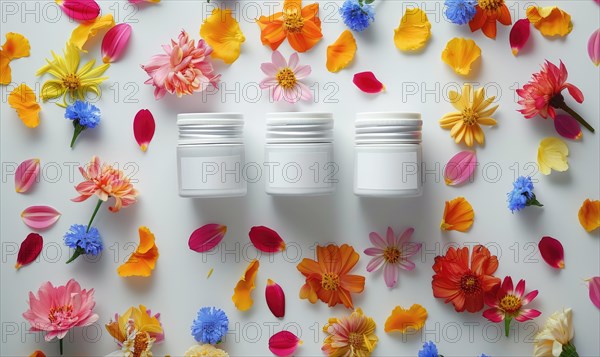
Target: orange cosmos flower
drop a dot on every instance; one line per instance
(327, 278)
(301, 26)
(143, 260)
(488, 12)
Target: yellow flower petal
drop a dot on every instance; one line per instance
(222, 32)
(550, 21)
(458, 215)
(414, 30)
(5, 71)
(589, 215)
(23, 100)
(460, 53)
(341, 52)
(406, 320)
(241, 293)
(87, 30)
(16, 46)
(552, 155)
(143, 260)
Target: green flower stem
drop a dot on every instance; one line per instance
(76, 254)
(78, 129)
(94, 215)
(507, 321)
(569, 350)
(577, 117)
(60, 346)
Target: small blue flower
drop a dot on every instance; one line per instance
(460, 11)
(90, 242)
(357, 16)
(83, 113)
(210, 326)
(429, 350)
(484, 355)
(521, 194)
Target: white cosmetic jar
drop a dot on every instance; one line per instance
(387, 161)
(210, 155)
(299, 154)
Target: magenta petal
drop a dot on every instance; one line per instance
(30, 248)
(594, 286)
(275, 298)
(283, 343)
(460, 168)
(266, 240)
(367, 82)
(594, 47)
(80, 10)
(527, 314)
(494, 315)
(207, 237)
(552, 252)
(529, 297)
(115, 42)
(519, 35)
(40, 217)
(567, 127)
(143, 128)
(27, 175)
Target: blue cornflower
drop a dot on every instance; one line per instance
(484, 355)
(429, 350)
(83, 241)
(522, 194)
(357, 15)
(84, 115)
(210, 325)
(460, 11)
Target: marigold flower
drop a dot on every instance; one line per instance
(352, 335)
(486, 15)
(223, 34)
(406, 320)
(143, 260)
(458, 215)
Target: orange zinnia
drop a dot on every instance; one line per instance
(301, 26)
(327, 278)
(488, 12)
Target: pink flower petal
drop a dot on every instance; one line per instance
(552, 252)
(27, 175)
(460, 168)
(275, 298)
(594, 47)
(390, 237)
(594, 286)
(207, 237)
(266, 240)
(374, 251)
(115, 42)
(390, 275)
(567, 127)
(143, 128)
(375, 263)
(519, 35)
(529, 297)
(40, 217)
(368, 83)
(494, 315)
(30, 248)
(80, 10)
(283, 343)
(377, 241)
(406, 235)
(527, 314)
(520, 289)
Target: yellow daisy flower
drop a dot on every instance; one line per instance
(473, 111)
(70, 79)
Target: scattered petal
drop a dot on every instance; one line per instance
(284, 343)
(15, 46)
(207, 237)
(460, 168)
(366, 82)
(40, 217)
(414, 30)
(552, 252)
(594, 286)
(81, 10)
(143, 260)
(30, 248)
(403, 320)
(552, 155)
(519, 35)
(550, 21)
(341, 52)
(143, 128)
(23, 100)
(115, 42)
(87, 30)
(27, 175)
(37, 353)
(275, 298)
(148, 1)
(210, 272)
(589, 215)
(594, 47)
(458, 215)
(266, 240)
(567, 127)
(223, 33)
(242, 292)
(460, 53)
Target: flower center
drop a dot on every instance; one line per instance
(490, 5)
(293, 21)
(469, 284)
(510, 303)
(391, 255)
(470, 117)
(355, 340)
(140, 343)
(286, 78)
(71, 81)
(330, 281)
(59, 315)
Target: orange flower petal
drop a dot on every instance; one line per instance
(143, 260)
(222, 32)
(5, 71)
(414, 30)
(458, 215)
(16, 46)
(241, 293)
(589, 215)
(550, 21)
(341, 52)
(404, 320)
(23, 100)
(460, 53)
(87, 30)
(37, 353)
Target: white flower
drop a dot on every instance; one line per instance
(556, 333)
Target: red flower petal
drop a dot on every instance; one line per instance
(567, 127)
(143, 128)
(266, 240)
(30, 248)
(594, 285)
(519, 35)
(552, 251)
(81, 10)
(275, 298)
(115, 42)
(207, 237)
(366, 82)
(284, 343)
(40, 217)
(26, 175)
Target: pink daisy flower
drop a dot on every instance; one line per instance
(283, 78)
(392, 254)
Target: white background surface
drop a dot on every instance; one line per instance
(414, 82)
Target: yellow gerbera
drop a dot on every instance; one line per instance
(70, 79)
(473, 111)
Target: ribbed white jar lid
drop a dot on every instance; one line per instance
(210, 128)
(388, 128)
(299, 127)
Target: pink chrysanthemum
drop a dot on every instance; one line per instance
(283, 78)
(58, 309)
(183, 69)
(393, 254)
